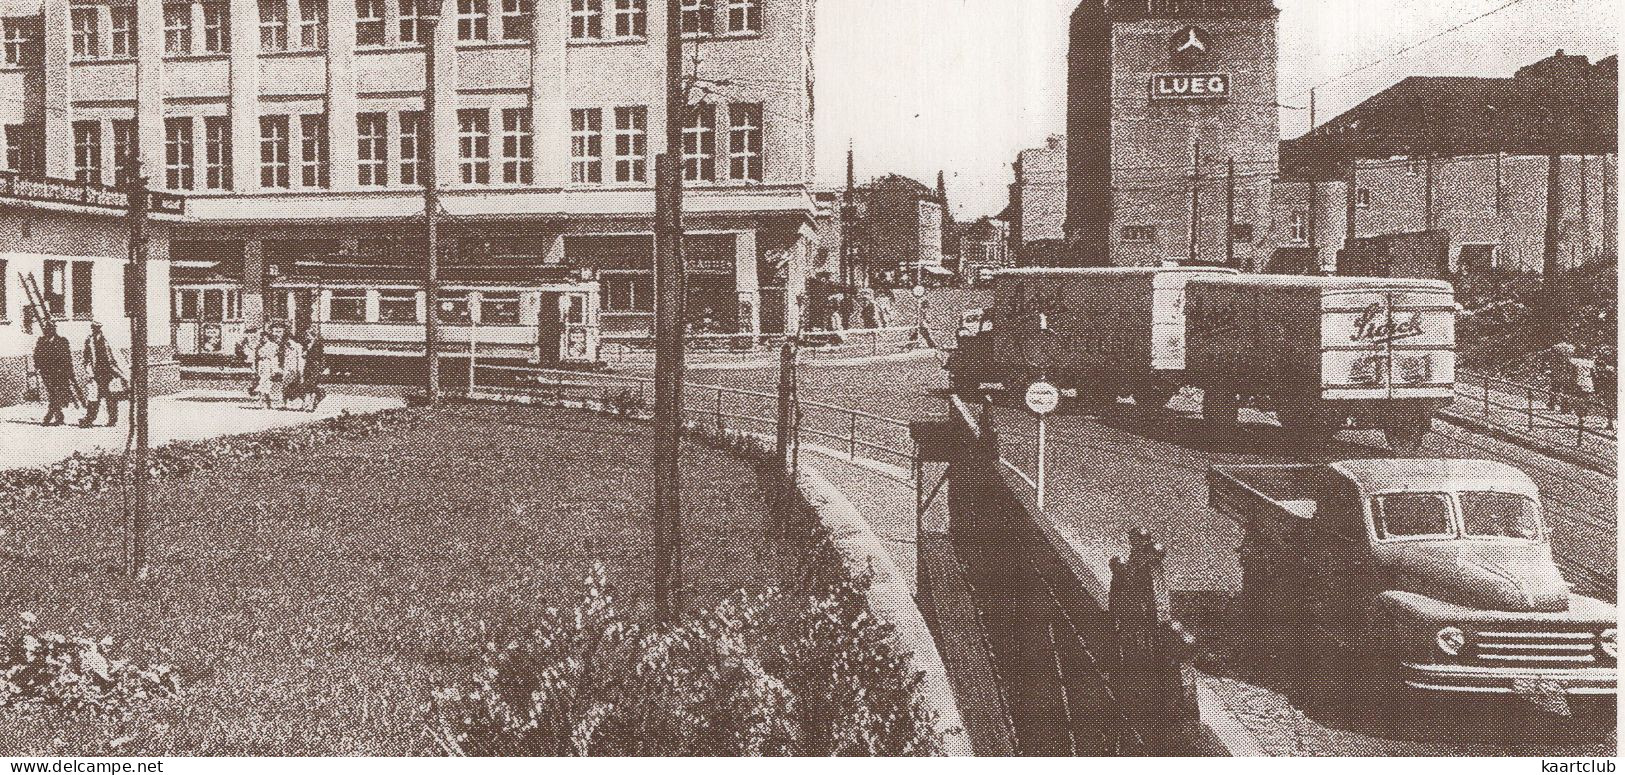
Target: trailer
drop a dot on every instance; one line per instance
(1324, 353)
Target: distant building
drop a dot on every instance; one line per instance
(1156, 88)
(1466, 157)
(1037, 211)
(983, 244)
(897, 229)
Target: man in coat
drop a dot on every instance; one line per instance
(53, 359)
(277, 361)
(103, 367)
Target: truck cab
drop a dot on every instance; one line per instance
(1436, 572)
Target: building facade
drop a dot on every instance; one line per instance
(893, 232)
(1037, 211)
(76, 254)
(1164, 96)
(984, 246)
(298, 129)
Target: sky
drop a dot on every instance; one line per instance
(961, 86)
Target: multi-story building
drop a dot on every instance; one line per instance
(1163, 95)
(1037, 211)
(1466, 159)
(299, 131)
(984, 246)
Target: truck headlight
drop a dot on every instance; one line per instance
(1609, 640)
(1451, 640)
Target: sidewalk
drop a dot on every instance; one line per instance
(188, 415)
(1548, 430)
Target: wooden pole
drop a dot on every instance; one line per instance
(1196, 176)
(431, 208)
(1230, 213)
(138, 517)
(668, 409)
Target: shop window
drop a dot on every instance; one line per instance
(628, 293)
(55, 287)
(84, 273)
(398, 307)
(499, 309)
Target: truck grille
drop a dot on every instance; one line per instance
(1534, 649)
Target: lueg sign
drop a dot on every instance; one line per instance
(1190, 86)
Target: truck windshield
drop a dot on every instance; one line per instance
(1500, 515)
(1410, 515)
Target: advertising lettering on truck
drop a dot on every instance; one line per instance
(1386, 343)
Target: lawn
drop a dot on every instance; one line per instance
(310, 602)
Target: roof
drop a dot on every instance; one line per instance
(1380, 475)
(1334, 283)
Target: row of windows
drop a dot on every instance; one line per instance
(1239, 232)
(109, 31)
(67, 288)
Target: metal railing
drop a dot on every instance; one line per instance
(1532, 410)
(852, 432)
(623, 349)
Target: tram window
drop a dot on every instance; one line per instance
(397, 307)
(189, 305)
(499, 309)
(575, 313)
(348, 306)
(214, 305)
(234, 305)
(454, 309)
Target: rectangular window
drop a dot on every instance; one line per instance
(1362, 197)
(177, 29)
(85, 43)
(474, 144)
(744, 15)
(586, 19)
(408, 20)
(369, 22)
(123, 31)
(471, 20)
(631, 18)
(397, 306)
(348, 305)
(312, 24)
(217, 152)
(83, 276)
(499, 309)
(313, 150)
(586, 145)
(411, 143)
(273, 25)
(216, 28)
(371, 139)
(516, 146)
(87, 151)
(54, 288)
(700, 143)
(631, 144)
(699, 16)
(273, 151)
(22, 41)
(1139, 233)
(745, 141)
(454, 308)
(628, 293)
(178, 153)
(1300, 226)
(25, 149)
(124, 158)
(516, 17)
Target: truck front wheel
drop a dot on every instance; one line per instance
(1405, 434)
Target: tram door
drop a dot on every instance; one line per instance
(567, 329)
(550, 328)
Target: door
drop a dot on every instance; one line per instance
(550, 327)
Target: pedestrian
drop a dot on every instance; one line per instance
(1585, 386)
(53, 359)
(1606, 377)
(278, 360)
(1560, 376)
(247, 354)
(310, 377)
(109, 380)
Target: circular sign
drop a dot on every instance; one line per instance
(1042, 397)
(919, 291)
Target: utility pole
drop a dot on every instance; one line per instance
(138, 517)
(1550, 301)
(1196, 177)
(1230, 213)
(428, 20)
(1351, 207)
(1429, 220)
(849, 243)
(668, 410)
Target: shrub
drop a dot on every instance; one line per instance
(48, 668)
(760, 673)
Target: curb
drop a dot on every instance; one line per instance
(890, 600)
(1593, 463)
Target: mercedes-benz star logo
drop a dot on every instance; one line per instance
(1192, 41)
(1190, 46)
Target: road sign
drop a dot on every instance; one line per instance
(1042, 397)
(1190, 86)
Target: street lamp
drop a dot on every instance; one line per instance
(428, 20)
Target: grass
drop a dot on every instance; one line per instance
(311, 602)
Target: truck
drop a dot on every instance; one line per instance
(1096, 333)
(1427, 575)
(1324, 353)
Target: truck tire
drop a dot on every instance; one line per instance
(1220, 406)
(1405, 434)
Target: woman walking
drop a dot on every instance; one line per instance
(279, 360)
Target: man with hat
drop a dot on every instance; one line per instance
(53, 359)
(107, 376)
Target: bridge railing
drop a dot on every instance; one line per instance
(1519, 407)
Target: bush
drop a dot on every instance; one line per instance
(48, 668)
(764, 673)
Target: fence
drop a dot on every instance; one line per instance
(743, 348)
(1523, 408)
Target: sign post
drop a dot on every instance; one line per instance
(1042, 398)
